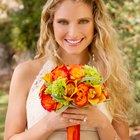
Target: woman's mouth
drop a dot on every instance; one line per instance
(73, 42)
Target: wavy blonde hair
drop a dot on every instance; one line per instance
(104, 47)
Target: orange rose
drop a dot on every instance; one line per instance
(104, 91)
(42, 91)
(92, 96)
(48, 77)
(102, 98)
(96, 95)
(59, 71)
(76, 71)
(83, 86)
(98, 90)
(80, 98)
(48, 103)
(70, 89)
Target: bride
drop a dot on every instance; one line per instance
(72, 32)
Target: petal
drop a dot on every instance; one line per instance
(102, 98)
(98, 90)
(82, 86)
(94, 100)
(91, 93)
(42, 90)
(71, 87)
(76, 72)
(67, 98)
(60, 71)
(47, 77)
(105, 94)
(80, 99)
(48, 103)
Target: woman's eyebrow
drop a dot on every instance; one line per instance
(61, 18)
(83, 18)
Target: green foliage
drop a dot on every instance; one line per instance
(5, 30)
(26, 24)
(3, 109)
(125, 15)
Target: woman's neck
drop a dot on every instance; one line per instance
(82, 58)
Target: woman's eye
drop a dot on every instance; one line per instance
(62, 22)
(83, 21)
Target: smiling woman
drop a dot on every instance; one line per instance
(72, 32)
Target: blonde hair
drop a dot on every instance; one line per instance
(104, 47)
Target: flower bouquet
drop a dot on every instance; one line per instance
(77, 85)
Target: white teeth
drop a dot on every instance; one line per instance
(73, 42)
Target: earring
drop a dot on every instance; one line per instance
(93, 57)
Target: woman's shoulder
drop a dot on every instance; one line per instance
(30, 67)
(26, 72)
(25, 68)
(24, 75)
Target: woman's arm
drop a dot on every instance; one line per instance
(118, 130)
(16, 114)
(122, 129)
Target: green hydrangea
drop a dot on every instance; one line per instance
(57, 88)
(92, 76)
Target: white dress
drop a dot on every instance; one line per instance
(36, 112)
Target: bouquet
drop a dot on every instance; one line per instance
(77, 85)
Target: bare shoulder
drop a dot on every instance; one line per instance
(29, 67)
(25, 73)
(24, 68)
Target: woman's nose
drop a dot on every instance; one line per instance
(73, 31)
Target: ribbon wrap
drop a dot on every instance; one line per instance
(73, 132)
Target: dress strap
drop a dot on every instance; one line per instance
(34, 109)
(47, 67)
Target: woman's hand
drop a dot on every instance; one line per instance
(55, 121)
(91, 117)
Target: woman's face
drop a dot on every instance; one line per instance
(73, 26)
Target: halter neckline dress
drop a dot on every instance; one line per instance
(36, 112)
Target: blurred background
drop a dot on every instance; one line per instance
(19, 32)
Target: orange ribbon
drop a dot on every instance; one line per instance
(73, 132)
